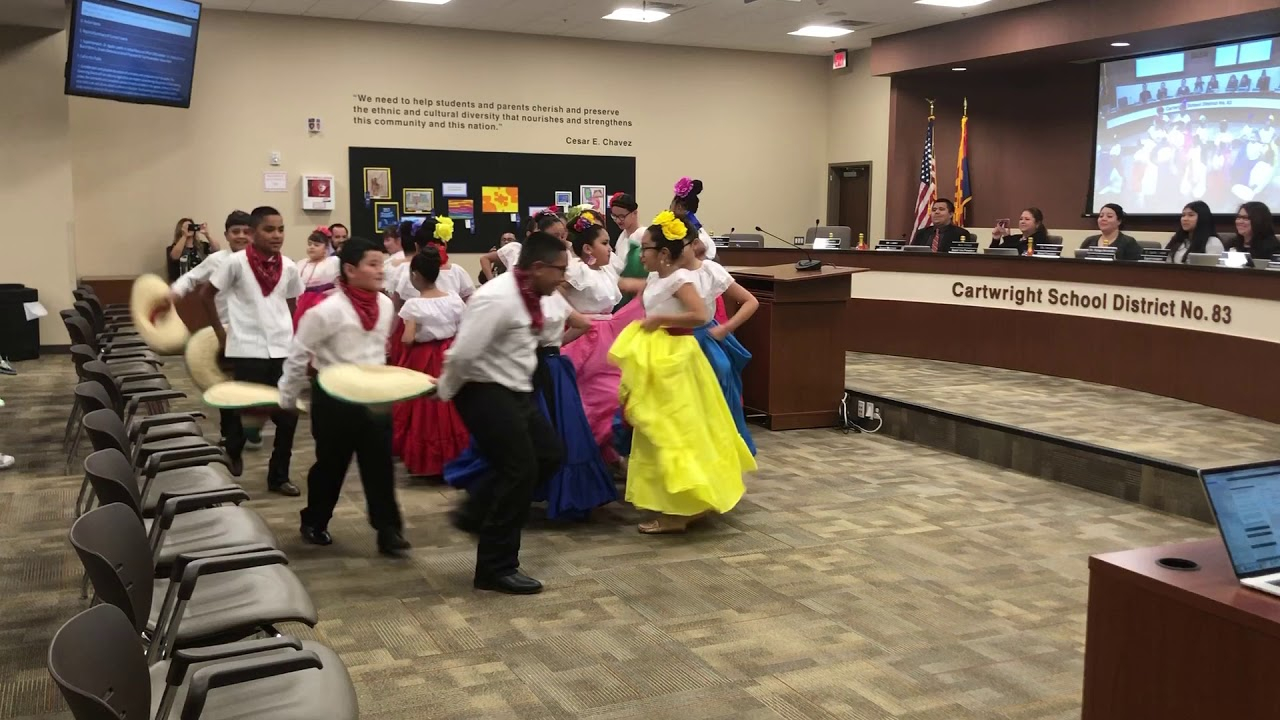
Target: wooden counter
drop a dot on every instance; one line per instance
(906, 308)
(1178, 645)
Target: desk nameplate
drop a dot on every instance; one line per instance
(1243, 317)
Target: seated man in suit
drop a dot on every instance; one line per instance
(944, 231)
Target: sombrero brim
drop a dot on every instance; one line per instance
(161, 329)
(241, 395)
(203, 355)
(374, 384)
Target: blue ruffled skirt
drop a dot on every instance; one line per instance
(728, 358)
(583, 481)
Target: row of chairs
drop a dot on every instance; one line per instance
(188, 586)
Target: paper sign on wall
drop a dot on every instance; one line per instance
(453, 189)
(273, 181)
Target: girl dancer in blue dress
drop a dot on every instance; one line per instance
(583, 481)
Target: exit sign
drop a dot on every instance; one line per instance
(839, 59)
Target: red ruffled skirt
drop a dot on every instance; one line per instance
(721, 316)
(309, 299)
(427, 432)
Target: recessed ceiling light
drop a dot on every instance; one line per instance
(951, 3)
(426, 2)
(821, 31)
(959, 69)
(1119, 44)
(636, 15)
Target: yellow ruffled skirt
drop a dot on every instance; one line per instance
(687, 457)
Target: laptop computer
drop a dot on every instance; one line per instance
(1203, 259)
(1245, 500)
(1000, 251)
(918, 248)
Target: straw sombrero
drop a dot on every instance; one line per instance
(374, 384)
(235, 395)
(204, 359)
(156, 321)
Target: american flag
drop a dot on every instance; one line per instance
(928, 182)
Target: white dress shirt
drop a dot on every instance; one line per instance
(708, 242)
(331, 334)
(495, 341)
(434, 318)
(622, 247)
(201, 273)
(591, 291)
(260, 326)
(1212, 246)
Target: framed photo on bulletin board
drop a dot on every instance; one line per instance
(419, 201)
(387, 215)
(377, 183)
(594, 196)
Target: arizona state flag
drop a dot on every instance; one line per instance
(964, 194)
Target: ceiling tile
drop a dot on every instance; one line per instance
(343, 9)
(761, 25)
(281, 7)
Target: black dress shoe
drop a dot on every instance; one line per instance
(315, 536)
(514, 584)
(237, 466)
(285, 488)
(392, 544)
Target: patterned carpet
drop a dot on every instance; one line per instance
(1159, 427)
(860, 578)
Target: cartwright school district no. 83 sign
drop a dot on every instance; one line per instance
(1226, 315)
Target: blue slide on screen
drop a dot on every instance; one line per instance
(139, 51)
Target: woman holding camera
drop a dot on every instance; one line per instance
(190, 246)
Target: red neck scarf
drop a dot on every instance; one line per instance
(266, 268)
(365, 303)
(532, 300)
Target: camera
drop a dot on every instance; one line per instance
(193, 227)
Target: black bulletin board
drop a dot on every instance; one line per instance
(538, 177)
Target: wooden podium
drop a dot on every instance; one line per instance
(796, 374)
(1175, 644)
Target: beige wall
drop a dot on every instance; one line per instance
(752, 126)
(858, 127)
(35, 171)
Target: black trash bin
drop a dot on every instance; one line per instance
(19, 337)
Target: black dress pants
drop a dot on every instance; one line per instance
(342, 429)
(523, 450)
(263, 372)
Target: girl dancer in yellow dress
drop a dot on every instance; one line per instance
(687, 458)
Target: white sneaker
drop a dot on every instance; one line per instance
(7, 461)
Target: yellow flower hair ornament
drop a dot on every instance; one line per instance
(673, 228)
(444, 230)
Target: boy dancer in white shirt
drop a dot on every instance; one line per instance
(238, 232)
(260, 286)
(488, 374)
(349, 326)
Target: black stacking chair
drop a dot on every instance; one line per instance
(82, 355)
(175, 465)
(98, 667)
(107, 308)
(106, 329)
(152, 388)
(81, 333)
(184, 523)
(102, 317)
(210, 597)
(91, 397)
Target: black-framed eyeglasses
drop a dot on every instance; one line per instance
(648, 247)
(619, 218)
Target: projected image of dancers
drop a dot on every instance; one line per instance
(1191, 125)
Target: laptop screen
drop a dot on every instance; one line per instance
(1246, 502)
